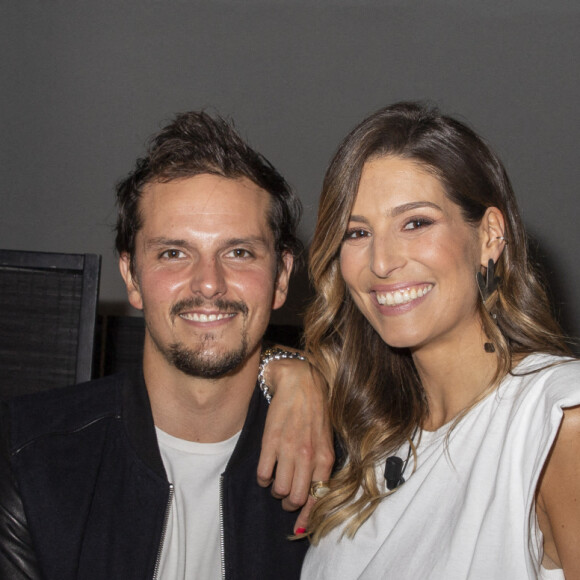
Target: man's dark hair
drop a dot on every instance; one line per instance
(196, 143)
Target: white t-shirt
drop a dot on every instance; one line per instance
(468, 512)
(191, 548)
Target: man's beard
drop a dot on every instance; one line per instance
(198, 362)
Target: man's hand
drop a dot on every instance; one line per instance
(297, 446)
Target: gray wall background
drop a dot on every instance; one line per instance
(85, 82)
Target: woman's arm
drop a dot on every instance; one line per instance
(297, 446)
(558, 497)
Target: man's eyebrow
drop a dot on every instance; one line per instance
(165, 242)
(400, 209)
(249, 240)
(180, 243)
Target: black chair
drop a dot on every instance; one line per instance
(121, 341)
(48, 306)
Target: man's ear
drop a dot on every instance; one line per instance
(133, 291)
(492, 232)
(282, 280)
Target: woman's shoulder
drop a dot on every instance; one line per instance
(553, 379)
(540, 361)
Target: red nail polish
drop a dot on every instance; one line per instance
(300, 531)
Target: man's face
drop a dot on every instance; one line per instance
(205, 272)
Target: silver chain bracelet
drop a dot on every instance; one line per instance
(273, 353)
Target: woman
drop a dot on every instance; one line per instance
(436, 338)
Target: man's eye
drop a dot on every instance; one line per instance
(417, 223)
(172, 254)
(355, 234)
(240, 253)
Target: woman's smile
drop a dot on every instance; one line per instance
(402, 296)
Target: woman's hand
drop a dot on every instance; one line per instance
(297, 446)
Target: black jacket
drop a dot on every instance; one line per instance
(84, 495)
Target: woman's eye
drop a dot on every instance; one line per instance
(355, 234)
(417, 223)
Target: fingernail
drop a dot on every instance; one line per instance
(300, 531)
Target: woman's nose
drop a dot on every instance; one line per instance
(386, 256)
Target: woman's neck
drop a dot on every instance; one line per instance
(454, 375)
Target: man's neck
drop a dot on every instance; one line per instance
(198, 409)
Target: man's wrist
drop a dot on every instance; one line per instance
(269, 354)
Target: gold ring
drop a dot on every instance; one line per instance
(318, 489)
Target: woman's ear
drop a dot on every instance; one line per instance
(492, 231)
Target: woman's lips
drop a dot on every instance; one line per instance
(403, 295)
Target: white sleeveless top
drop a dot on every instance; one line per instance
(467, 512)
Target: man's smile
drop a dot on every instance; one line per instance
(200, 317)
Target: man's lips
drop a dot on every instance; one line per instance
(201, 317)
(199, 310)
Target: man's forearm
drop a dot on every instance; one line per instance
(17, 557)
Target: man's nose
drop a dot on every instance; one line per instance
(208, 278)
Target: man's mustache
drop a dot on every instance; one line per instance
(224, 306)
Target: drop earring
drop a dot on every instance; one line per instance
(486, 288)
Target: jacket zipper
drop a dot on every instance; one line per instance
(221, 515)
(163, 532)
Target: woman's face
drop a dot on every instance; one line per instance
(409, 258)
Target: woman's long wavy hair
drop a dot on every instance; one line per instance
(377, 399)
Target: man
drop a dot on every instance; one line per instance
(154, 475)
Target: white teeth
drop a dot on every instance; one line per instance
(205, 317)
(402, 296)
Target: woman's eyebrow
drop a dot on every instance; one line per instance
(400, 209)
(358, 218)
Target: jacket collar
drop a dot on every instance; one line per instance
(249, 444)
(138, 420)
